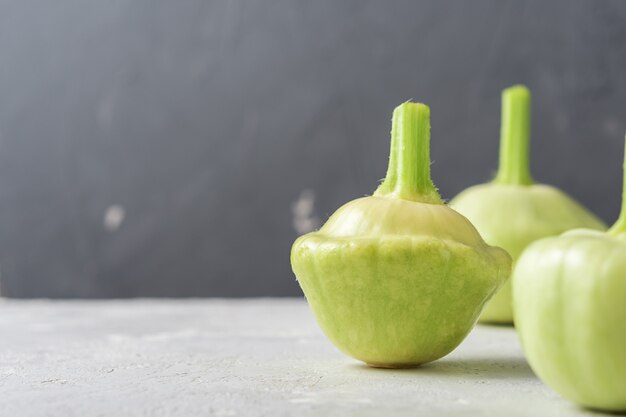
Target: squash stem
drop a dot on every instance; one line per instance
(514, 166)
(619, 228)
(408, 174)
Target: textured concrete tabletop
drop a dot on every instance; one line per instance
(239, 358)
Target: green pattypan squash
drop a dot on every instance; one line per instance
(513, 211)
(399, 279)
(569, 299)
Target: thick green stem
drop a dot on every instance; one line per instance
(514, 166)
(619, 228)
(408, 175)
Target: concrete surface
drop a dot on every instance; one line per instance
(260, 357)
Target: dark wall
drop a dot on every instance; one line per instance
(158, 148)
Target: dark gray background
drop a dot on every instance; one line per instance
(205, 121)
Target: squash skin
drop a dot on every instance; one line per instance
(396, 283)
(514, 216)
(569, 298)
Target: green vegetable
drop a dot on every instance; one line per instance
(512, 211)
(398, 279)
(569, 296)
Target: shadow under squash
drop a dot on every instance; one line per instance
(491, 368)
(596, 412)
